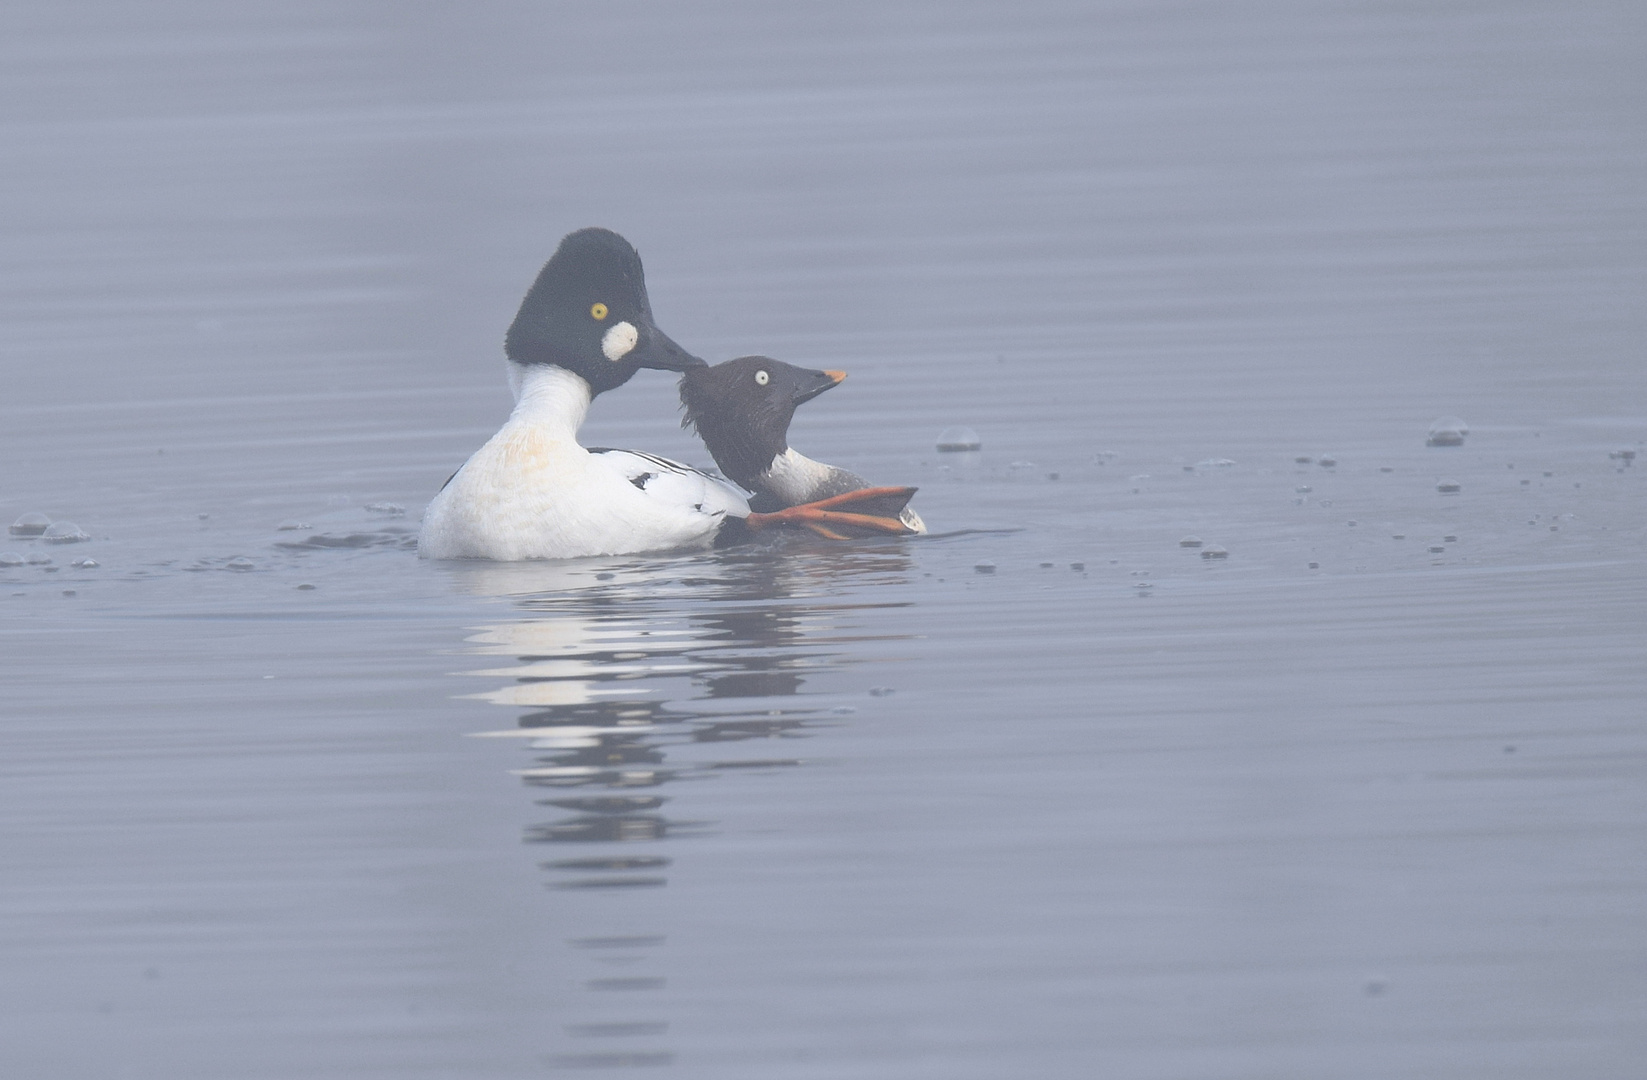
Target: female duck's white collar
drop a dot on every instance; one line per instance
(550, 398)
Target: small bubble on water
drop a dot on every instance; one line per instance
(1304, 460)
(64, 532)
(1449, 487)
(203, 517)
(844, 710)
(1315, 566)
(292, 525)
(388, 508)
(305, 587)
(1398, 536)
(241, 563)
(1215, 552)
(37, 559)
(10, 558)
(69, 592)
(1450, 539)
(984, 567)
(1327, 462)
(881, 691)
(1624, 454)
(1077, 566)
(30, 525)
(1436, 549)
(958, 438)
(1215, 463)
(1190, 542)
(1303, 489)
(1447, 431)
(1046, 566)
(84, 564)
(605, 576)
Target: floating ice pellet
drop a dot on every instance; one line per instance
(952, 439)
(64, 532)
(11, 558)
(1214, 552)
(1190, 542)
(30, 525)
(1447, 431)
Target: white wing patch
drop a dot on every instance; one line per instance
(674, 485)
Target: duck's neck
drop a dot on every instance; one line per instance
(549, 398)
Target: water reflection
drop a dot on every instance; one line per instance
(631, 675)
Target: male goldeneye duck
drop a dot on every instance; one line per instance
(742, 409)
(532, 492)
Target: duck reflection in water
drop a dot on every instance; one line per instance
(633, 675)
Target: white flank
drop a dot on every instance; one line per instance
(533, 493)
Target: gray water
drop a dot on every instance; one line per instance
(1054, 796)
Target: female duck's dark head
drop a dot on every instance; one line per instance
(588, 313)
(742, 410)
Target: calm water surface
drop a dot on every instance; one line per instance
(1053, 795)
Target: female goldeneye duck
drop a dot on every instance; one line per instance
(532, 492)
(742, 409)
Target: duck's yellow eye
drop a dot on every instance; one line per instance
(598, 311)
(762, 378)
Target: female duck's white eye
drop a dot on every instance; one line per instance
(762, 378)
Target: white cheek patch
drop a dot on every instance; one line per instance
(619, 341)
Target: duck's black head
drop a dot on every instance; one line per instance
(588, 313)
(742, 409)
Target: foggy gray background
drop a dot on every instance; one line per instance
(1158, 816)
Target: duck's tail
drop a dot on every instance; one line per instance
(868, 512)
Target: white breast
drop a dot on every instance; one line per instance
(533, 493)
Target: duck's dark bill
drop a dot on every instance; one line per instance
(869, 512)
(815, 383)
(658, 350)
